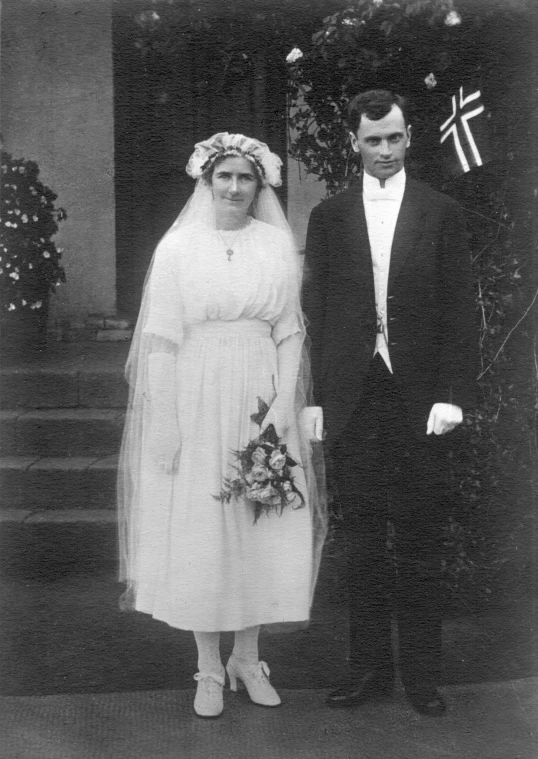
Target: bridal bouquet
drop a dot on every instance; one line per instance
(263, 473)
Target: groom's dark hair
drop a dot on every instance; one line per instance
(374, 104)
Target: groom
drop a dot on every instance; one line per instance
(389, 297)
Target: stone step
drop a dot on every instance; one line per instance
(54, 543)
(49, 387)
(58, 516)
(58, 483)
(64, 432)
(109, 329)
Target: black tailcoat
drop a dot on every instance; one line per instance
(384, 463)
(430, 304)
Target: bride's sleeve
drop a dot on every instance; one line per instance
(163, 315)
(290, 320)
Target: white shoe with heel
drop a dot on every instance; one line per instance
(208, 701)
(255, 678)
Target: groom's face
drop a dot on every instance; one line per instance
(382, 143)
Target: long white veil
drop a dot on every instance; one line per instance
(199, 211)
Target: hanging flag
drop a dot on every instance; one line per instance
(464, 134)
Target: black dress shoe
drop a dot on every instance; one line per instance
(427, 701)
(375, 685)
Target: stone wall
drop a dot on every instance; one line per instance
(57, 110)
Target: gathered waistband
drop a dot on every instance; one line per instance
(214, 327)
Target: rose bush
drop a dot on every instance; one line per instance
(30, 266)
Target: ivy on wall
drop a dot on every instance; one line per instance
(426, 50)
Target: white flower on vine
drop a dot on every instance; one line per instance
(149, 18)
(453, 18)
(14, 275)
(24, 302)
(377, 3)
(46, 254)
(30, 266)
(24, 218)
(430, 81)
(34, 218)
(11, 307)
(294, 55)
(37, 304)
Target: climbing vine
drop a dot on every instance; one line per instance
(426, 50)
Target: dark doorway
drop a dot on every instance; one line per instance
(165, 101)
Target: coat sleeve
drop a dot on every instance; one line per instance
(458, 367)
(315, 278)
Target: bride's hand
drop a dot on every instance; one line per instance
(164, 446)
(279, 416)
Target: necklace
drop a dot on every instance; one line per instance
(230, 246)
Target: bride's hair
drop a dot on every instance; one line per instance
(209, 169)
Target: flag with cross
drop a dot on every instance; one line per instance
(464, 134)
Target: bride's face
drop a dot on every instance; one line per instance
(235, 186)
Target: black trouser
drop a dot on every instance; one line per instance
(385, 470)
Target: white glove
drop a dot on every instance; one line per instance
(279, 415)
(311, 421)
(443, 418)
(164, 439)
(164, 442)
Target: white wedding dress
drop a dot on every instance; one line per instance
(200, 564)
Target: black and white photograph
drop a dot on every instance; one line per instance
(268, 379)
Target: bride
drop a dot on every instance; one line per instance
(220, 327)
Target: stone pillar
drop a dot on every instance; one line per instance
(304, 192)
(57, 110)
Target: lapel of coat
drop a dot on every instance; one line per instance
(353, 224)
(409, 228)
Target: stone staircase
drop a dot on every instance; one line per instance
(61, 421)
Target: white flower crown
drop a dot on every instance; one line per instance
(225, 144)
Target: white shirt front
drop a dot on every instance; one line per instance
(381, 207)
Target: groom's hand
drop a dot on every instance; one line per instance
(443, 418)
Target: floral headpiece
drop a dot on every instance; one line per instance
(225, 144)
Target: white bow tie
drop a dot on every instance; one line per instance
(382, 193)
